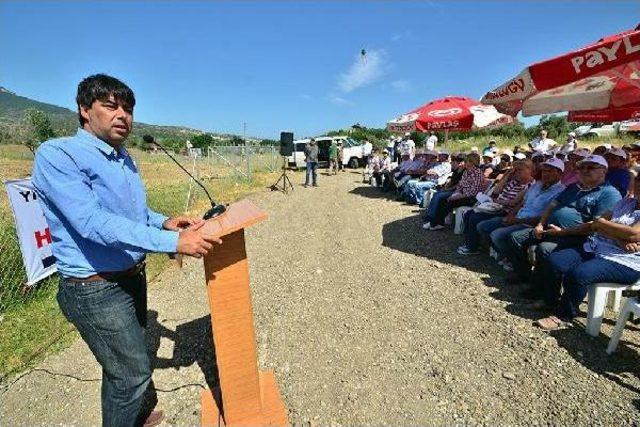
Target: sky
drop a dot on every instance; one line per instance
(289, 65)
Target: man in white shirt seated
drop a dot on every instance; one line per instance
(542, 144)
(431, 142)
(437, 174)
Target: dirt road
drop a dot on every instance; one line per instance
(366, 319)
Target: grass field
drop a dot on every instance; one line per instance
(32, 325)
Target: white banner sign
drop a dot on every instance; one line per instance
(33, 232)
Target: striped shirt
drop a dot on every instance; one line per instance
(472, 182)
(510, 192)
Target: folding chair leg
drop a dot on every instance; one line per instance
(597, 301)
(620, 324)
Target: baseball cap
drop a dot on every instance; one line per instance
(594, 158)
(556, 163)
(407, 134)
(582, 152)
(572, 134)
(520, 156)
(615, 151)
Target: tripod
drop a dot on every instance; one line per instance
(286, 182)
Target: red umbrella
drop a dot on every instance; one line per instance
(607, 114)
(603, 75)
(455, 113)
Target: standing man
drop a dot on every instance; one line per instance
(95, 205)
(311, 153)
(432, 141)
(333, 157)
(542, 144)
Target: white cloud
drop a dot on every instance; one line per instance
(362, 72)
(338, 100)
(400, 85)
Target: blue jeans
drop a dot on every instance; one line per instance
(472, 221)
(501, 236)
(414, 190)
(437, 198)
(581, 270)
(312, 173)
(111, 318)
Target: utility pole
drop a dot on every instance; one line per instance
(247, 148)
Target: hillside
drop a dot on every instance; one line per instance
(14, 128)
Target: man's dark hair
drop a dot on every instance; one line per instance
(99, 87)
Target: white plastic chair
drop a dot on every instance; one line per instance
(631, 306)
(428, 195)
(597, 299)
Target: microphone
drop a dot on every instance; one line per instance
(216, 209)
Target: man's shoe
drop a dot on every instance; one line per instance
(154, 419)
(436, 227)
(463, 250)
(426, 225)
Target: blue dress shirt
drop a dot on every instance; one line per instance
(536, 199)
(95, 205)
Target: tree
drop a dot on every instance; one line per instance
(40, 128)
(202, 141)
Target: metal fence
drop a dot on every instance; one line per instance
(232, 162)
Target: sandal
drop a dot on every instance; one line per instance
(551, 323)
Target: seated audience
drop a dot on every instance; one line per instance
(506, 195)
(610, 254)
(487, 165)
(526, 214)
(443, 202)
(618, 173)
(436, 175)
(582, 202)
(571, 174)
(381, 172)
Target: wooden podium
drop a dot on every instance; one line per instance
(246, 396)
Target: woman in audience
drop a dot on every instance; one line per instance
(507, 194)
(571, 174)
(611, 254)
(443, 202)
(487, 165)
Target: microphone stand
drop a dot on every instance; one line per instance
(216, 209)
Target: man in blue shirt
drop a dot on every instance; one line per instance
(95, 205)
(618, 173)
(581, 202)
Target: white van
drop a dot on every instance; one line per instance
(352, 155)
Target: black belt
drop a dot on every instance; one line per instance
(112, 276)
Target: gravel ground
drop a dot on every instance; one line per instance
(366, 319)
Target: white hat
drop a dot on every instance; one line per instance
(556, 163)
(594, 158)
(581, 152)
(617, 152)
(572, 134)
(407, 134)
(385, 151)
(520, 156)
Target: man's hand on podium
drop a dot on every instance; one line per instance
(179, 223)
(193, 241)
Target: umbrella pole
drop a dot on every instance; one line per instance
(446, 138)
